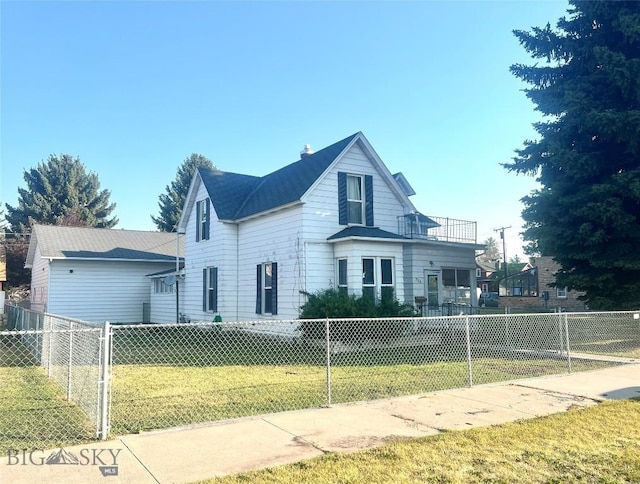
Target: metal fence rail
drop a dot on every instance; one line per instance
(160, 376)
(53, 370)
(187, 373)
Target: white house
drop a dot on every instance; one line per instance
(98, 274)
(334, 218)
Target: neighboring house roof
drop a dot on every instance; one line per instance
(485, 265)
(370, 232)
(87, 243)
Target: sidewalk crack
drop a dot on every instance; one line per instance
(298, 438)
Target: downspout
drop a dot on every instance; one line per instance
(237, 273)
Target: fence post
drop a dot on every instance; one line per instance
(566, 330)
(561, 334)
(468, 337)
(106, 365)
(50, 344)
(70, 361)
(328, 358)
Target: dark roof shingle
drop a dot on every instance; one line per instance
(237, 196)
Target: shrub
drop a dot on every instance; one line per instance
(333, 304)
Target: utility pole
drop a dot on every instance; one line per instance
(504, 249)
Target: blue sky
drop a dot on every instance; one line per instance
(133, 88)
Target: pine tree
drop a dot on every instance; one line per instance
(587, 158)
(61, 192)
(173, 199)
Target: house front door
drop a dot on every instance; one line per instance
(432, 289)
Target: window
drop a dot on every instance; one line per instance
(386, 271)
(561, 293)
(202, 219)
(210, 289)
(159, 287)
(354, 199)
(267, 288)
(342, 276)
(478, 273)
(374, 270)
(456, 286)
(368, 278)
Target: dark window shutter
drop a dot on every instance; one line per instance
(259, 289)
(207, 218)
(368, 193)
(274, 288)
(198, 217)
(342, 198)
(215, 289)
(204, 290)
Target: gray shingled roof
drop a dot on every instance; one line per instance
(90, 243)
(236, 196)
(371, 232)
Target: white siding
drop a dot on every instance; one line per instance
(39, 282)
(163, 305)
(321, 205)
(274, 238)
(99, 291)
(432, 256)
(219, 251)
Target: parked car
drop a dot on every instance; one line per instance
(488, 299)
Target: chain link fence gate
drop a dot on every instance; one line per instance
(54, 374)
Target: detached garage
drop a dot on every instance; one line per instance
(97, 274)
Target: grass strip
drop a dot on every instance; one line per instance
(593, 444)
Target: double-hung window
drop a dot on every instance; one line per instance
(210, 289)
(354, 199)
(203, 212)
(377, 276)
(561, 292)
(368, 278)
(267, 288)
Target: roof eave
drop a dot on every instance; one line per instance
(365, 239)
(269, 211)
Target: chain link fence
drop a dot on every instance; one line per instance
(171, 375)
(53, 380)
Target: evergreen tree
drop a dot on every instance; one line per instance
(587, 158)
(491, 253)
(172, 200)
(61, 192)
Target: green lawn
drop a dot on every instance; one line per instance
(593, 444)
(163, 377)
(34, 412)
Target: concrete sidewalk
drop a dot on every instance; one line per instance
(228, 447)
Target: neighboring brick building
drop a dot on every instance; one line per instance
(532, 289)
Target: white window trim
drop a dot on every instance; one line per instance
(339, 285)
(354, 200)
(561, 293)
(264, 287)
(377, 284)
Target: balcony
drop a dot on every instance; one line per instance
(443, 229)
